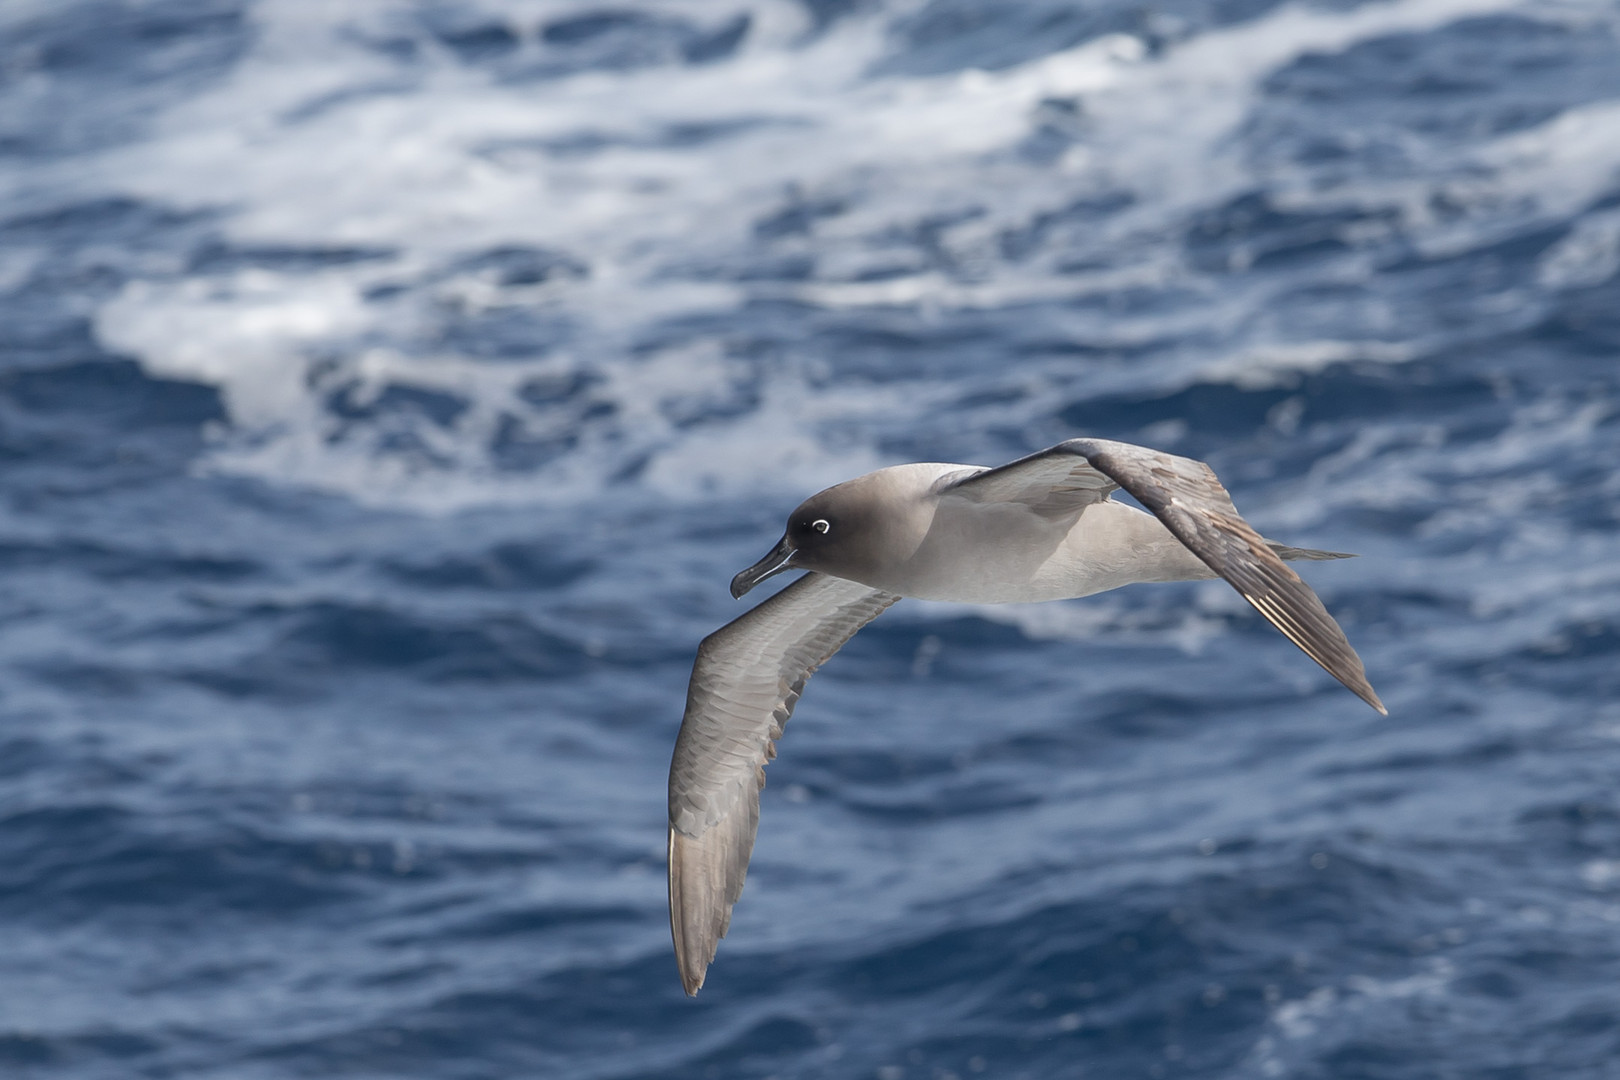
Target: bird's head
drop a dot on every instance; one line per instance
(852, 530)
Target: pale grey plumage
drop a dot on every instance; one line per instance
(747, 678)
(1039, 528)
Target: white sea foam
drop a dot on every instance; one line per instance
(1329, 1013)
(317, 139)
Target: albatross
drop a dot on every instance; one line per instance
(1039, 528)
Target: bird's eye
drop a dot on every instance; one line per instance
(821, 525)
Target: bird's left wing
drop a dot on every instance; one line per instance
(1051, 483)
(748, 676)
(1186, 496)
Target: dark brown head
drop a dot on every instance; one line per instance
(841, 531)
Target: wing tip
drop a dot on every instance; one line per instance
(696, 921)
(1350, 675)
(1328, 646)
(1356, 682)
(691, 981)
(692, 969)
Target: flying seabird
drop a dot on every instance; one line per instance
(1040, 528)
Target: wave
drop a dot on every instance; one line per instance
(444, 268)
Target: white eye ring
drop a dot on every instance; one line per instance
(821, 525)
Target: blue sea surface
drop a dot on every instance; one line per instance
(390, 388)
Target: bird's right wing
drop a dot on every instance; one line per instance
(748, 676)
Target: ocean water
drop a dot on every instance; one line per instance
(389, 390)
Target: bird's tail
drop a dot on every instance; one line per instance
(1291, 553)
